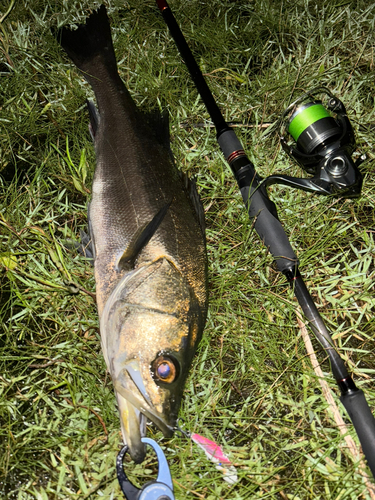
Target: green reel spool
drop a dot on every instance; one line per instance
(311, 125)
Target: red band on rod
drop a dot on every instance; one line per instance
(162, 4)
(292, 279)
(235, 155)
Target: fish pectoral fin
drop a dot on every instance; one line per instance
(141, 237)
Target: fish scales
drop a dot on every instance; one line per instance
(133, 179)
(149, 246)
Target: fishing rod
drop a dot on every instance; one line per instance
(322, 148)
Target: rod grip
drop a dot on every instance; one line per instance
(363, 421)
(260, 208)
(269, 229)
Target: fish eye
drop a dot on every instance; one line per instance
(165, 369)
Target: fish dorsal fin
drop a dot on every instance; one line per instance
(191, 188)
(94, 119)
(158, 123)
(141, 237)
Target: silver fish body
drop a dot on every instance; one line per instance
(149, 246)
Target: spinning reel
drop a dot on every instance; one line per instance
(318, 135)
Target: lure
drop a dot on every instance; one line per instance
(216, 455)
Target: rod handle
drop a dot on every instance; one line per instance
(260, 208)
(363, 421)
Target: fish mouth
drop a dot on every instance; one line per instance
(135, 406)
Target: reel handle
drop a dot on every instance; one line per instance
(298, 183)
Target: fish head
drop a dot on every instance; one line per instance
(150, 327)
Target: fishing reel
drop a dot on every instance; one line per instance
(317, 133)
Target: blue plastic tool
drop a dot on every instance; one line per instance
(159, 489)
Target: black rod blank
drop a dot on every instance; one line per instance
(194, 70)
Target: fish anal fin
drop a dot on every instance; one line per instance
(140, 239)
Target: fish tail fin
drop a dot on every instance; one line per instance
(88, 41)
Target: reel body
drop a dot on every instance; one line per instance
(323, 142)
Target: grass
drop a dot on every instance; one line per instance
(251, 388)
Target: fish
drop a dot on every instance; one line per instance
(146, 223)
